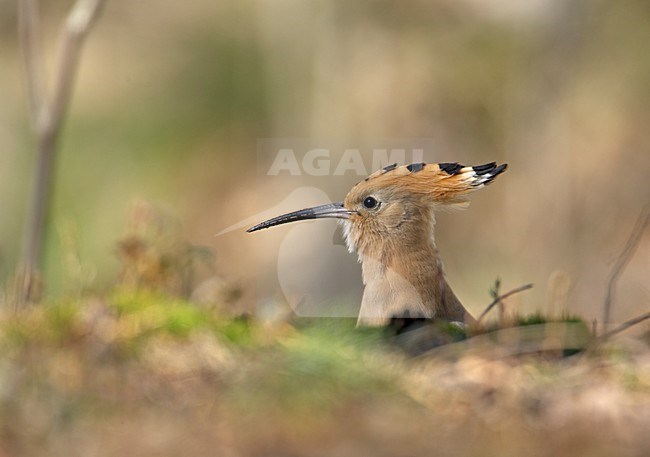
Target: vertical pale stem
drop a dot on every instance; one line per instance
(47, 120)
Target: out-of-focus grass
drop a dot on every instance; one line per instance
(143, 373)
(71, 364)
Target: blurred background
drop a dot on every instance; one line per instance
(172, 97)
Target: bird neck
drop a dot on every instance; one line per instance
(407, 280)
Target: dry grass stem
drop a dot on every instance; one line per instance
(624, 326)
(622, 260)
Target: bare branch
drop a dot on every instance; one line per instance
(622, 260)
(501, 297)
(48, 120)
(28, 29)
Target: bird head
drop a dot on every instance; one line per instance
(394, 206)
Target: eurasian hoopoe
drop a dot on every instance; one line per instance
(388, 219)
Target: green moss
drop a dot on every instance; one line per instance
(539, 318)
(156, 312)
(182, 320)
(62, 320)
(321, 367)
(238, 331)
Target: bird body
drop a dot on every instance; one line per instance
(388, 220)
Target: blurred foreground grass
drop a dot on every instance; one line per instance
(140, 373)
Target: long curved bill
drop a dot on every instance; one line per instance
(331, 210)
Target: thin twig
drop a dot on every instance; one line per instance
(47, 119)
(624, 326)
(501, 297)
(622, 260)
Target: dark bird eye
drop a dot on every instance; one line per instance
(370, 202)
